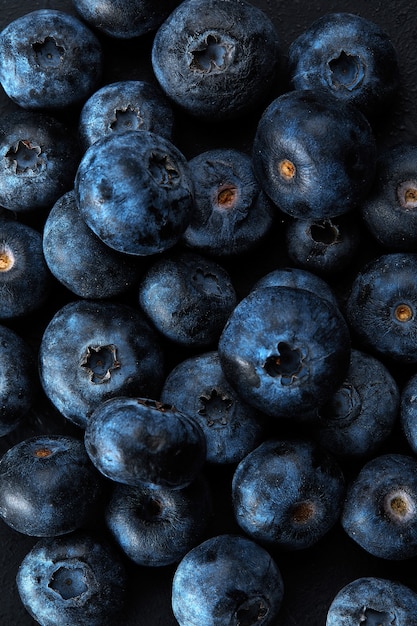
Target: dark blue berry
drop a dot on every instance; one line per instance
(408, 411)
(297, 278)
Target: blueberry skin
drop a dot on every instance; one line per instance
(231, 214)
(378, 601)
(156, 527)
(76, 579)
(285, 350)
(125, 105)
(19, 380)
(350, 57)
(314, 155)
(25, 280)
(188, 298)
(362, 413)
(135, 192)
(39, 157)
(79, 260)
(49, 60)
(124, 20)
(140, 441)
(382, 304)
(227, 579)
(389, 209)
(198, 387)
(287, 494)
(216, 59)
(408, 411)
(93, 350)
(297, 278)
(48, 486)
(380, 508)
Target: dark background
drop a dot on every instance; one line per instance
(311, 577)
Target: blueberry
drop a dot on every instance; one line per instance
(49, 59)
(124, 20)
(389, 211)
(382, 305)
(198, 387)
(408, 411)
(374, 601)
(93, 350)
(48, 486)
(19, 381)
(298, 278)
(135, 192)
(77, 579)
(80, 260)
(25, 280)
(157, 526)
(188, 298)
(287, 494)
(362, 413)
(231, 214)
(285, 350)
(227, 579)
(138, 441)
(314, 155)
(350, 57)
(125, 105)
(39, 156)
(380, 508)
(216, 59)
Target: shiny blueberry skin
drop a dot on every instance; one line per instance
(125, 105)
(124, 20)
(157, 526)
(380, 509)
(285, 350)
(75, 579)
(80, 260)
(389, 211)
(227, 579)
(216, 59)
(135, 192)
(382, 306)
(25, 280)
(362, 413)
(374, 601)
(188, 298)
(93, 350)
(48, 486)
(287, 493)
(408, 411)
(49, 59)
(348, 56)
(231, 213)
(198, 387)
(19, 380)
(140, 441)
(313, 155)
(39, 157)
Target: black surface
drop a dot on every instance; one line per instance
(311, 577)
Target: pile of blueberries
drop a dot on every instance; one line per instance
(207, 362)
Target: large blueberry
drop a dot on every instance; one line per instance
(380, 509)
(49, 59)
(227, 579)
(135, 192)
(93, 350)
(77, 579)
(350, 57)
(285, 349)
(216, 59)
(138, 441)
(157, 526)
(374, 601)
(288, 493)
(314, 155)
(48, 486)
(408, 411)
(298, 278)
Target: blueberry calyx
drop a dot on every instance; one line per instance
(100, 361)
(7, 259)
(127, 118)
(407, 194)
(25, 157)
(403, 313)
(71, 580)
(347, 71)
(325, 232)
(379, 618)
(252, 611)
(48, 53)
(211, 53)
(163, 170)
(399, 505)
(287, 364)
(287, 170)
(227, 196)
(215, 407)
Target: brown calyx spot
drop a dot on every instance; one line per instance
(302, 512)
(6, 259)
(399, 505)
(403, 312)
(407, 194)
(226, 196)
(287, 169)
(42, 453)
